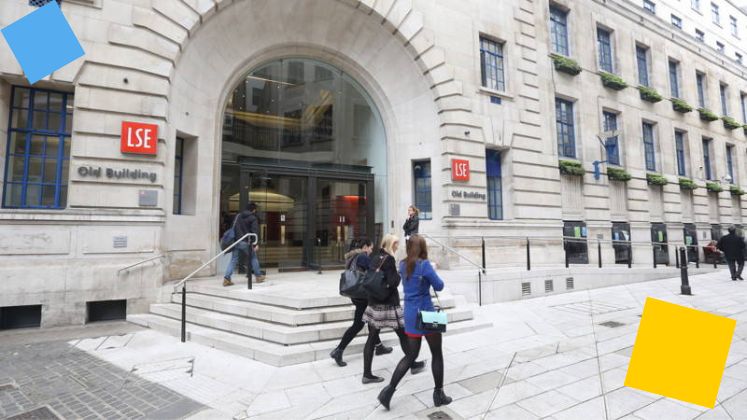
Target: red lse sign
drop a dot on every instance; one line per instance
(139, 138)
(459, 170)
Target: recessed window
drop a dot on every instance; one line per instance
(724, 99)
(730, 163)
(700, 85)
(738, 58)
(679, 142)
(641, 54)
(564, 122)
(495, 184)
(676, 22)
(492, 65)
(559, 30)
(715, 14)
(743, 102)
(38, 151)
(649, 147)
(611, 144)
(28, 316)
(649, 6)
(604, 43)
(707, 159)
(700, 35)
(695, 4)
(421, 174)
(734, 26)
(720, 47)
(674, 78)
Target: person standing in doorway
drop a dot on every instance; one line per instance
(412, 223)
(733, 248)
(246, 222)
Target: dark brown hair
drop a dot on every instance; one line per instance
(416, 250)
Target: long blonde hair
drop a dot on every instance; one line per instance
(387, 243)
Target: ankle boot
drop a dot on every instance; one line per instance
(337, 355)
(439, 398)
(385, 396)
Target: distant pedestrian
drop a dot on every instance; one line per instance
(419, 276)
(246, 222)
(733, 248)
(412, 223)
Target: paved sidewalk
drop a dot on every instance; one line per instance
(556, 357)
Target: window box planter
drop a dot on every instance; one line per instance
(617, 174)
(612, 81)
(649, 94)
(714, 187)
(736, 191)
(656, 179)
(565, 64)
(707, 115)
(681, 106)
(687, 184)
(730, 123)
(569, 167)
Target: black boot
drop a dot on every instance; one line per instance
(417, 367)
(337, 355)
(439, 398)
(385, 396)
(382, 349)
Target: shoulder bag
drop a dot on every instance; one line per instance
(351, 281)
(374, 283)
(432, 321)
(229, 236)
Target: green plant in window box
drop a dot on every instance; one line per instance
(569, 167)
(565, 64)
(681, 106)
(735, 190)
(617, 174)
(656, 179)
(649, 94)
(730, 123)
(745, 129)
(707, 114)
(612, 81)
(714, 187)
(687, 184)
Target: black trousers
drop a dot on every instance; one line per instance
(735, 267)
(360, 307)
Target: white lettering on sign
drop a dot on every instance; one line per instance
(142, 139)
(460, 169)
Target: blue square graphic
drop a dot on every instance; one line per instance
(42, 42)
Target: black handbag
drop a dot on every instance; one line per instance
(351, 281)
(374, 283)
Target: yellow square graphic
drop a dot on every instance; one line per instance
(680, 352)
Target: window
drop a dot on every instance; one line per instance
(674, 79)
(491, 63)
(707, 159)
(724, 105)
(738, 58)
(495, 186)
(700, 83)
(695, 4)
(648, 146)
(38, 153)
(565, 128)
(676, 21)
(641, 54)
(679, 144)
(730, 163)
(559, 30)
(611, 143)
(178, 178)
(734, 26)
(649, 6)
(604, 42)
(720, 47)
(421, 171)
(39, 3)
(715, 17)
(699, 35)
(743, 102)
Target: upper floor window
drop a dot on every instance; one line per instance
(724, 99)
(707, 159)
(730, 163)
(564, 122)
(491, 63)
(641, 55)
(734, 26)
(649, 6)
(38, 152)
(700, 35)
(715, 16)
(695, 4)
(720, 47)
(743, 101)
(604, 42)
(421, 173)
(679, 144)
(676, 21)
(738, 58)
(648, 146)
(559, 30)
(611, 143)
(700, 85)
(495, 187)
(674, 79)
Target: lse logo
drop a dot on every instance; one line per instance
(459, 170)
(139, 138)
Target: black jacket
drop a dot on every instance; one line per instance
(247, 222)
(391, 275)
(411, 225)
(733, 246)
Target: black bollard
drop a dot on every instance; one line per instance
(677, 259)
(529, 258)
(249, 267)
(567, 263)
(630, 255)
(685, 288)
(184, 312)
(483, 253)
(599, 253)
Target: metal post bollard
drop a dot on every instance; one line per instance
(529, 257)
(653, 249)
(697, 258)
(249, 265)
(479, 286)
(685, 287)
(599, 253)
(184, 313)
(630, 255)
(677, 259)
(483, 252)
(567, 263)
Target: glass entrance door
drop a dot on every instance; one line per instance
(341, 216)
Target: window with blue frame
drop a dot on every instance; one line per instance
(604, 43)
(421, 173)
(565, 128)
(648, 146)
(495, 185)
(611, 143)
(38, 149)
(730, 163)
(724, 102)
(559, 30)
(679, 144)
(707, 159)
(641, 54)
(674, 79)
(178, 175)
(491, 63)
(700, 82)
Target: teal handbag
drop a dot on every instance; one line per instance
(432, 321)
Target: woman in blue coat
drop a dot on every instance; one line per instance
(419, 276)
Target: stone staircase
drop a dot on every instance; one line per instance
(281, 322)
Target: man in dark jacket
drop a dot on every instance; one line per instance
(733, 249)
(246, 222)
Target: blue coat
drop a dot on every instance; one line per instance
(417, 292)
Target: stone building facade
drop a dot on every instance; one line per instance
(421, 88)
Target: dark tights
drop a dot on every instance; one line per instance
(413, 349)
(360, 307)
(373, 340)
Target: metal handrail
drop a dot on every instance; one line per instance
(184, 280)
(140, 262)
(478, 266)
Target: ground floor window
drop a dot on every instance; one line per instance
(716, 232)
(621, 242)
(421, 174)
(495, 184)
(659, 243)
(575, 242)
(691, 241)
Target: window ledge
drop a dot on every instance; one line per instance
(491, 92)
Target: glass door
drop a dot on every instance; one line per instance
(341, 216)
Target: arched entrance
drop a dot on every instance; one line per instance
(305, 142)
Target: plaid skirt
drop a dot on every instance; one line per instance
(384, 316)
